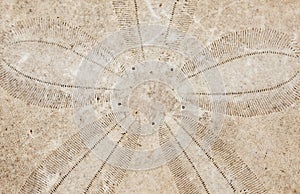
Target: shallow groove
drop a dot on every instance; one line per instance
(139, 28)
(129, 19)
(35, 93)
(239, 57)
(181, 17)
(226, 161)
(56, 162)
(52, 83)
(179, 167)
(249, 91)
(256, 102)
(108, 177)
(60, 34)
(223, 157)
(103, 164)
(171, 19)
(245, 43)
(190, 161)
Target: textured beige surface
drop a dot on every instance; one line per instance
(268, 143)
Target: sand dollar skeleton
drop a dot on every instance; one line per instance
(146, 94)
(117, 103)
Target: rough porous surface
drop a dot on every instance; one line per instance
(148, 96)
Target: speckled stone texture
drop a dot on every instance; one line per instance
(255, 45)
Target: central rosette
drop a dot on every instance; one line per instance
(149, 94)
(151, 101)
(146, 112)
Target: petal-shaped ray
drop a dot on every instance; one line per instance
(181, 16)
(255, 102)
(108, 177)
(234, 170)
(58, 165)
(56, 36)
(128, 17)
(181, 167)
(249, 43)
(111, 184)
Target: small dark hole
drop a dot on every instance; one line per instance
(183, 107)
(119, 103)
(172, 69)
(30, 130)
(133, 68)
(153, 123)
